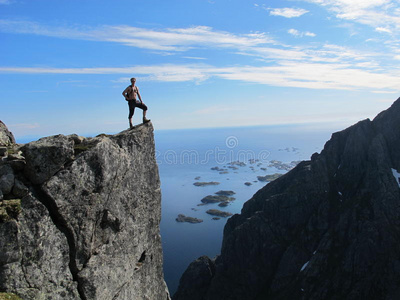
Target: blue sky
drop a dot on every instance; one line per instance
(220, 63)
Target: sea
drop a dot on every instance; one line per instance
(230, 157)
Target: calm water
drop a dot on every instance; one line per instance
(183, 155)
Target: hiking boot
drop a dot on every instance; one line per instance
(145, 120)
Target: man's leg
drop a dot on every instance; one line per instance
(131, 112)
(144, 108)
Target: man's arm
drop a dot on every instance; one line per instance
(125, 92)
(140, 98)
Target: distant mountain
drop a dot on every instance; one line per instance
(328, 229)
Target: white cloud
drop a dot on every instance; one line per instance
(382, 29)
(310, 75)
(169, 39)
(195, 58)
(379, 14)
(288, 12)
(297, 33)
(313, 66)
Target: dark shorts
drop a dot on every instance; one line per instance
(132, 104)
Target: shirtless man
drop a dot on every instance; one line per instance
(130, 94)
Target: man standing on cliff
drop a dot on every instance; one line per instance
(130, 94)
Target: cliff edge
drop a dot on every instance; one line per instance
(79, 217)
(328, 229)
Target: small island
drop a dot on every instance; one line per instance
(182, 218)
(215, 199)
(268, 178)
(237, 163)
(277, 164)
(218, 169)
(248, 183)
(218, 213)
(225, 193)
(206, 183)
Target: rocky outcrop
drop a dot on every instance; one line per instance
(6, 137)
(328, 229)
(80, 218)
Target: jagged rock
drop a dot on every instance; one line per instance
(6, 137)
(46, 157)
(196, 278)
(89, 225)
(7, 179)
(328, 229)
(76, 138)
(34, 255)
(16, 164)
(3, 151)
(19, 189)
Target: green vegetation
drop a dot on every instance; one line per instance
(9, 296)
(11, 149)
(78, 149)
(9, 209)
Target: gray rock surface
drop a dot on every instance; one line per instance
(6, 137)
(328, 229)
(88, 224)
(47, 156)
(196, 279)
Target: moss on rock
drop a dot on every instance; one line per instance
(9, 296)
(9, 209)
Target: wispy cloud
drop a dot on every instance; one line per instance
(5, 1)
(313, 66)
(297, 33)
(168, 39)
(383, 14)
(383, 29)
(288, 12)
(310, 75)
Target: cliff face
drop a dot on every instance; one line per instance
(328, 229)
(80, 218)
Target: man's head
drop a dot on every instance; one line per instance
(133, 80)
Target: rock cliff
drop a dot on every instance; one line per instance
(79, 217)
(328, 229)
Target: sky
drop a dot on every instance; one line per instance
(198, 63)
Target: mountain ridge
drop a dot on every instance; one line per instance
(328, 229)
